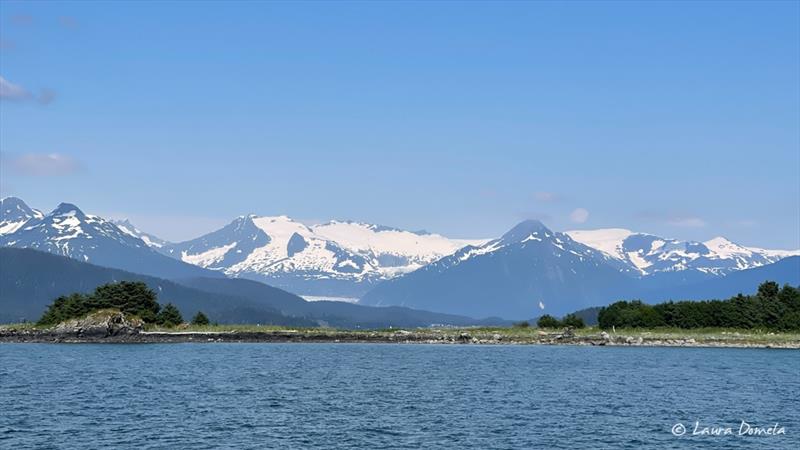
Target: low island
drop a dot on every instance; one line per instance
(114, 327)
(128, 312)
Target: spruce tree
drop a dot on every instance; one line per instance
(200, 319)
(169, 316)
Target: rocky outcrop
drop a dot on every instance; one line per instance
(100, 324)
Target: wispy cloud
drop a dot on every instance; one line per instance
(41, 165)
(546, 197)
(579, 215)
(13, 92)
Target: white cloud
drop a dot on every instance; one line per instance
(41, 165)
(11, 91)
(15, 92)
(579, 215)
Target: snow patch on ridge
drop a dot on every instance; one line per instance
(608, 240)
(650, 254)
(209, 257)
(10, 227)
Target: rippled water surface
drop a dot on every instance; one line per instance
(391, 396)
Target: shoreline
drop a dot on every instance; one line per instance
(434, 336)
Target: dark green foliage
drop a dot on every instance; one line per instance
(523, 324)
(200, 319)
(772, 308)
(572, 320)
(768, 289)
(129, 297)
(169, 316)
(63, 308)
(548, 321)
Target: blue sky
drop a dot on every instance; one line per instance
(680, 119)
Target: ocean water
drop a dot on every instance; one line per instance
(374, 396)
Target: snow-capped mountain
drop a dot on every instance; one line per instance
(649, 254)
(530, 266)
(529, 271)
(14, 213)
(394, 251)
(127, 227)
(338, 259)
(276, 249)
(532, 270)
(69, 232)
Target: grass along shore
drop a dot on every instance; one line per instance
(701, 337)
(130, 312)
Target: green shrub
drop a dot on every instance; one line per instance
(548, 321)
(571, 320)
(169, 316)
(200, 319)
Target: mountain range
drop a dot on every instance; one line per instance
(532, 270)
(69, 232)
(335, 259)
(649, 254)
(528, 271)
(30, 280)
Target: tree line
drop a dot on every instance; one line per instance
(569, 321)
(771, 308)
(129, 297)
